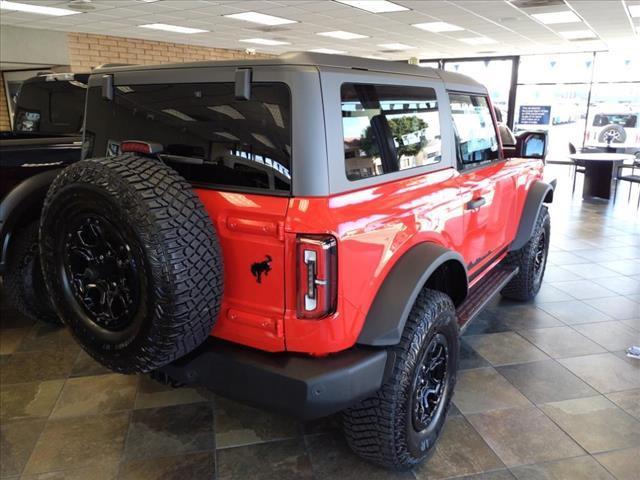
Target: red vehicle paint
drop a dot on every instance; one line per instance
(374, 227)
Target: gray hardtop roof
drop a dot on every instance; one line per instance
(319, 60)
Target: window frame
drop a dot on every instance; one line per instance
(383, 152)
(465, 167)
(331, 79)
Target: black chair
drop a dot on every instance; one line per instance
(632, 177)
(575, 168)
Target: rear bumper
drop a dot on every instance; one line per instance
(300, 386)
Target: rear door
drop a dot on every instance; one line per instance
(486, 181)
(236, 154)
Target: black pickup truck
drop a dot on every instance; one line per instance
(46, 137)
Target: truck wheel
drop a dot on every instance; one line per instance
(613, 133)
(531, 261)
(23, 280)
(398, 427)
(131, 260)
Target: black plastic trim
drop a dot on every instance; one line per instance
(18, 201)
(297, 385)
(390, 309)
(539, 193)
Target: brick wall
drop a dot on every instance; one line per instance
(87, 51)
(4, 108)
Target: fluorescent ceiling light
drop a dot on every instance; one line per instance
(28, 8)
(264, 41)
(228, 136)
(634, 10)
(276, 113)
(566, 16)
(375, 6)
(261, 18)
(227, 110)
(395, 46)
(577, 34)
(178, 114)
(330, 51)
(263, 139)
(342, 35)
(438, 27)
(478, 40)
(172, 28)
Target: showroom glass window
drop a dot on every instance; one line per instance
(476, 140)
(494, 74)
(207, 135)
(552, 95)
(387, 128)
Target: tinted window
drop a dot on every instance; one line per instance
(50, 107)
(628, 121)
(475, 133)
(388, 128)
(207, 135)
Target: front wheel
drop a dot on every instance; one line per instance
(398, 427)
(531, 261)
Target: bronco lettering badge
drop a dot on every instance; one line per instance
(258, 268)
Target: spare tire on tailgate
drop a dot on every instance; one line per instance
(131, 261)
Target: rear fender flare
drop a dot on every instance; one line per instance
(390, 308)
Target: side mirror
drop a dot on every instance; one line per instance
(532, 144)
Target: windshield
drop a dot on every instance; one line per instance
(207, 135)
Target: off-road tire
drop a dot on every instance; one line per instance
(173, 243)
(526, 284)
(380, 428)
(23, 281)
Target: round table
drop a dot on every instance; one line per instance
(599, 171)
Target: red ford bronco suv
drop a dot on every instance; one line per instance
(308, 234)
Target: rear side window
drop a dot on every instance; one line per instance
(476, 140)
(387, 128)
(55, 107)
(207, 135)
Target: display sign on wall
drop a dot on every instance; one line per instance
(534, 115)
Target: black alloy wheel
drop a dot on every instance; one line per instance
(101, 271)
(430, 383)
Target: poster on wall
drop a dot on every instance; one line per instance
(534, 115)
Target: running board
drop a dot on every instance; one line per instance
(482, 292)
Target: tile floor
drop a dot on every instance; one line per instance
(545, 390)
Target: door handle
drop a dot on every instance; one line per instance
(475, 203)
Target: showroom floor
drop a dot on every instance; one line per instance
(545, 392)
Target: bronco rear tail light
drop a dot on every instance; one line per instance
(317, 279)
(137, 146)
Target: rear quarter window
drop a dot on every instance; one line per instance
(207, 135)
(388, 128)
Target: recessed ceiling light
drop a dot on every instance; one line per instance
(437, 27)
(634, 10)
(264, 41)
(172, 28)
(375, 6)
(28, 8)
(261, 18)
(330, 51)
(478, 40)
(342, 35)
(577, 34)
(566, 16)
(395, 46)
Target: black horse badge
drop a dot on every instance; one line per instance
(259, 268)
